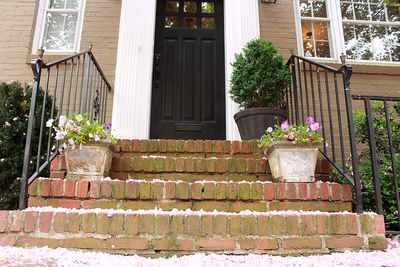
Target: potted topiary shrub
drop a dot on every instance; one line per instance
(88, 146)
(258, 84)
(292, 150)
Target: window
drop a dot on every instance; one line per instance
(59, 26)
(364, 30)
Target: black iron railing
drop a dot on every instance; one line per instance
(323, 92)
(76, 84)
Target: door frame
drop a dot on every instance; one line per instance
(134, 68)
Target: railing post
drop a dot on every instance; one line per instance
(36, 66)
(295, 93)
(347, 71)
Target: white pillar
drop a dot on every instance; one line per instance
(241, 25)
(133, 77)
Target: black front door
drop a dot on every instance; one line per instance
(188, 98)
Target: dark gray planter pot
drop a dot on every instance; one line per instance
(253, 122)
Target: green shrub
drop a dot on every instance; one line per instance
(260, 76)
(14, 114)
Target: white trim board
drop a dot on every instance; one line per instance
(133, 80)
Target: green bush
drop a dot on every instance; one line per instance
(14, 114)
(260, 76)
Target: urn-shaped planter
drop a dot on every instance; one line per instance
(293, 162)
(89, 161)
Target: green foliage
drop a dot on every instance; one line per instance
(14, 113)
(297, 134)
(78, 129)
(260, 76)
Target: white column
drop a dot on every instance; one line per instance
(241, 25)
(133, 77)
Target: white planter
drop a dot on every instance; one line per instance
(293, 162)
(90, 161)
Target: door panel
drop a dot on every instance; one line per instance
(188, 97)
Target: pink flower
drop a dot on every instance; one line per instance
(310, 121)
(285, 126)
(315, 127)
(291, 137)
(59, 136)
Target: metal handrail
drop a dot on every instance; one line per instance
(82, 82)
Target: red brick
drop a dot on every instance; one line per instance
(324, 191)
(344, 242)
(8, 241)
(185, 245)
(58, 174)
(189, 165)
(245, 147)
(183, 191)
(45, 187)
(335, 191)
(352, 224)
(208, 190)
(337, 224)
(171, 145)
(218, 146)
(69, 190)
(178, 224)
(280, 191)
(117, 224)
(266, 244)
(227, 147)
(269, 191)
(215, 245)
(235, 225)
(291, 191)
(147, 223)
(116, 163)
(95, 187)
(170, 190)
(29, 221)
(180, 164)
(17, 221)
(118, 189)
(88, 222)
(301, 243)
(292, 225)
(73, 222)
(221, 224)
(247, 244)
(192, 224)
(221, 165)
(3, 220)
(33, 188)
(210, 165)
(132, 190)
(45, 221)
(119, 243)
(232, 192)
(57, 188)
(302, 190)
(263, 225)
(54, 165)
(308, 224)
(64, 203)
(31, 241)
(196, 190)
(208, 146)
(83, 188)
(346, 193)
(261, 166)
(235, 147)
(251, 165)
(322, 227)
(102, 223)
(59, 222)
(132, 224)
(162, 224)
(106, 189)
(379, 224)
(200, 166)
(313, 191)
(83, 243)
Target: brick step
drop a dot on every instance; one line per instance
(188, 168)
(171, 233)
(200, 195)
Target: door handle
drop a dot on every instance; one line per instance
(157, 59)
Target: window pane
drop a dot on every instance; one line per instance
(379, 44)
(319, 8)
(60, 31)
(322, 49)
(190, 7)
(394, 39)
(347, 10)
(378, 12)
(208, 23)
(172, 6)
(361, 11)
(305, 8)
(321, 30)
(171, 22)
(73, 4)
(316, 39)
(393, 13)
(190, 22)
(207, 7)
(57, 4)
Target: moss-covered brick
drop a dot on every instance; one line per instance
(147, 224)
(200, 166)
(206, 225)
(218, 147)
(367, 223)
(241, 165)
(153, 146)
(171, 145)
(199, 146)
(132, 224)
(164, 244)
(192, 224)
(170, 190)
(245, 147)
(232, 191)
(208, 146)
(180, 164)
(278, 225)
(125, 163)
(244, 191)
(189, 146)
(261, 165)
(118, 189)
(190, 165)
(33, 189)
(227, 147)
(183, 191)
(117, 224)
(169, 165)
(249, 225)
(143, 146)
(132, 190)
(162, 146)
(221, 224)
(377, 243)
(235, 146)
(145, 190)
(196, 189)
(159, 164)
(231, 165)
(180, 145)
(157, 190)
(178, 224)
(221, 165)
(88, 222)
(337, 224)
(235, 223)
(148, 164)
(162, 224)
(210, 165)
(137, 164)
(220, 191)
(208, 190)
(257, 191)
(103, 224)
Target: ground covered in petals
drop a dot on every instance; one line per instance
(11, 256)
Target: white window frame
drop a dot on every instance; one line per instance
(41, 25)
(337, 43)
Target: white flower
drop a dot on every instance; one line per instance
(96, 138)
(91, 135)
(62, 121)
(1, 160)
(79, 118)
(87, 123)
(269, 129)
(15, 119)
(6, 124)
(49, 123)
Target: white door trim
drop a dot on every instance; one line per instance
(133, 78)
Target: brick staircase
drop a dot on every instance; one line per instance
(178, 197)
